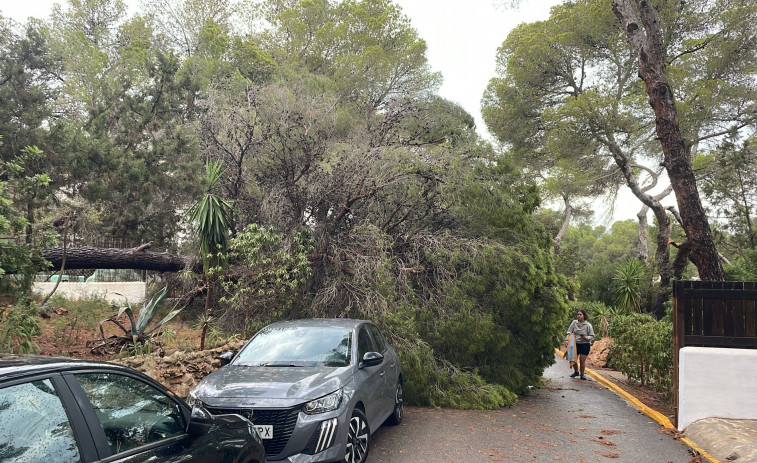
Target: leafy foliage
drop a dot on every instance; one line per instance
(210, 216)
(18, 327)
(743, 268)
(730, 186)
(643, 350)
(357, 192)
(268, 274)
(22, 184)
(630, 282)
(593, 257)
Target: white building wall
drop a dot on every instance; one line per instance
(134, 291)
(716, 383)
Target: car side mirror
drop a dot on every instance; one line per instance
(226, 357)
(200, 421)
(371, 359)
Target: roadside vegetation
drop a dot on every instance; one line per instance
(296, 159)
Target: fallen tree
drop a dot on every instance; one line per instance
(116, 258)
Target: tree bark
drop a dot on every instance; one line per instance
(567, 215)
(115, 258)
(645, 37)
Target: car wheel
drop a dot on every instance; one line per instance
(358, 438)
(396, 417)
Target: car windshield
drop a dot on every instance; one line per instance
(295, 346)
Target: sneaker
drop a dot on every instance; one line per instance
(574, 374)
(583, 377)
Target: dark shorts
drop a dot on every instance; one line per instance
(583, 349)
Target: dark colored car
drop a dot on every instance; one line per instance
(315, 389)
(67, 411)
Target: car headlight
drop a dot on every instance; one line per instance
(324, 404)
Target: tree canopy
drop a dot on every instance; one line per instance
(352, 188)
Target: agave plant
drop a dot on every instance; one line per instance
(138, 326)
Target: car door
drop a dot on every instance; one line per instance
(372, 382)
(35, 424)
(390, 366)
(132, 421)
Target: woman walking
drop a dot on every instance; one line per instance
(584, 334)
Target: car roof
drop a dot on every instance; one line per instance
(12, 365)
(346, 323)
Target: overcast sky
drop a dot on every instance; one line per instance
(462, 37)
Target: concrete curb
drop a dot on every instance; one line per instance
(654, 414)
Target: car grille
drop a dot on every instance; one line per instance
(283, 422)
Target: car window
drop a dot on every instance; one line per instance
(364, 342)
(132, 413)
(34, 425)
(378, 338)
(294, 346)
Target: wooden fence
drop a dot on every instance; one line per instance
(713, 314)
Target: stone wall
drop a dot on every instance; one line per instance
(179, 371)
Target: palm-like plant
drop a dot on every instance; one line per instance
(629, 284)
(211, 216)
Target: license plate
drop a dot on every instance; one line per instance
(264, 430)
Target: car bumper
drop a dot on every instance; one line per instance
(326, 432)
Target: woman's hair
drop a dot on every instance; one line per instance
(586, 315)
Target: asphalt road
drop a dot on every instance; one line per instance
(569, 420)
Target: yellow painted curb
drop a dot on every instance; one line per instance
(654, 414)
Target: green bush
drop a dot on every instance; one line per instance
(433, 382)
(643, 350)
(18, 328)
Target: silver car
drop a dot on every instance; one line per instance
(315, 389)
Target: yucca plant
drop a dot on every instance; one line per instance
(211, 216)
(629, 282)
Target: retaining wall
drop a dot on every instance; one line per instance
(134, 291)
(716, 383)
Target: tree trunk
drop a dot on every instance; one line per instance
(662, 252)
(114, 258)
(565, 223)
(643, 234)
(647, 44)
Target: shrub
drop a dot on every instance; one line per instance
(433, 382)
(18, 327)
(643, 350)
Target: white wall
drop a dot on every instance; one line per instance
(135, 291)
(716, 382)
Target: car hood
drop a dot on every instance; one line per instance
(247, 386)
